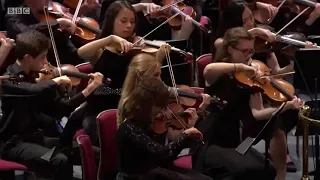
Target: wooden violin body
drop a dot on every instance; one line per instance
(277, 90)
(87, 29)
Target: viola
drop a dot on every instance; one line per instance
(278, 90)
(87, 29)
(176, 7)
(50, 72)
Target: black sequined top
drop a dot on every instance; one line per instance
(138, 152)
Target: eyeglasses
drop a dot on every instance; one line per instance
(245, 52)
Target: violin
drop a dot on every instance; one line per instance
(295, 41)
(153, 47)
(87, 29)
(278, 90)
(50, 72)
(179, 10)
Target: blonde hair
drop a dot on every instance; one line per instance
(231, 38)
(142, 65)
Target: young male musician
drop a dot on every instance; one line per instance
(18, 23)
(29, 105)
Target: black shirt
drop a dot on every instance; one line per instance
(135, 144)
(115, 67)
(18, 23)
(26, 104)
(227, 121)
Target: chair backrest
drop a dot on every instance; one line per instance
(84, 68)
(202, 62)
(89, 169)
(107, 128)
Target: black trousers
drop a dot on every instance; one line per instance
(29, 153)
(227, 164)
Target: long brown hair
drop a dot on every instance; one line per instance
(148, 93)
(110, 16)
(231, 38)
(141, 66)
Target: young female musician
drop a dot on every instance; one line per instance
(139, 155)
(238, 14)
(106, 57)
(146, 66)
(245, 104)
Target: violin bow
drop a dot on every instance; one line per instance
(304, 2)
(52, 41)
(76, 13)
(280, 5)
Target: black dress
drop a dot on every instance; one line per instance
(218, 157)
(113, 66)
(142, 157)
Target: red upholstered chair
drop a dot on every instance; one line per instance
(202, 62)
(84, 68)
(89, 169)
(7, 166)
(78, 133)
(184, 162)
(107, 128)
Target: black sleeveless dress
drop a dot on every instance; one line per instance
(218, 158)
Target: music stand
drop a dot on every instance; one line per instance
(307, 63)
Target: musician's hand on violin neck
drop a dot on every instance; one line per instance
(206, 100)
(193, 132)
(192, 120)
(122, 45)
(310, 45)
(296, 103)
(96, 80)
(67, 25)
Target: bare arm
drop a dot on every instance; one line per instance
(258, 110)
(93, 50)
(273, 64)
(212, 72)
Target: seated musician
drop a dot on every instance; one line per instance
(265, 13)
(18, 23)
(139, 155)
(238, 14)
(146, 66)
(106, 57)
(246, 104)
(29, 105)
(5, 48)
(144, 26)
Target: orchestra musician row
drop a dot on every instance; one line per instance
(135, 72)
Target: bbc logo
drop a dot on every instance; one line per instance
(18, 10)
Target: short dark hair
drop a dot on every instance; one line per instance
(31, 42)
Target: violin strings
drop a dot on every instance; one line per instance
(172, 75)
(135, 43)
(52, 41)
(178, 119)
(169, 5)
(292, 20)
